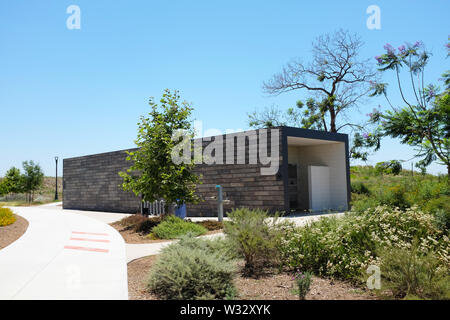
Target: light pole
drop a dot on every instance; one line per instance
(56, 188)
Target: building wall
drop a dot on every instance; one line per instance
(93, 183)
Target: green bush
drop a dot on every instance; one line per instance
(359, 188)
(146, 226)
(173, 227)
(363, 203)
(131, 221)
(394, 196)
(345, 247)
(411, 273)
(7, 217)
(141, 224)
(442, 218)
(193, 269)
(257, 238)
(211, 225)
(303, 281)
(389, 167)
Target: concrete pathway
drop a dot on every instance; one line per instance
(63, 255)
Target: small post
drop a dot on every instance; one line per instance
(219, 203)
(56, 188)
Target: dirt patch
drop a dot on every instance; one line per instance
(138, 271)
(130, 236)
(271, 286)
(11, 233)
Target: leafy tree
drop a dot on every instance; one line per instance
(337, 79)
(33, 178)
(12, 182)
(3, 189)
(423, 120)
(389, 167)
(153, 175)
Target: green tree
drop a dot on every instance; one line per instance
(422, 120)
(12, 182)
(3, 189)
(153, 175)
(33, 178)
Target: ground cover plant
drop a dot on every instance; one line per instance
(194, 269)
(173, 227)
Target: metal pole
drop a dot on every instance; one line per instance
(219, 203)
(56, 188)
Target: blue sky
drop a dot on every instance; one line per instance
(75, 92)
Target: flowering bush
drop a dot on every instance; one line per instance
(345, 247)
(6, 217)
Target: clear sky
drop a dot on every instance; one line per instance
(76, 92)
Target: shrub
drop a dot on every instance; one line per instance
(389, 167)
(442, 218)
(359, 188)
(146, 226)
(141, 224)
(344, 247)
(173, 227)
(411, 273)
(211, 225)
(131, 221)
(193, 269)
(257, 238)
(394, 196)
(364, 203)
(7, 217)
(303, 281)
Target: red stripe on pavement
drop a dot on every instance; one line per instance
(93, 233)
(86, 249)
(94, 240)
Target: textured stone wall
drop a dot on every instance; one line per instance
(242, 182)
(92, 182)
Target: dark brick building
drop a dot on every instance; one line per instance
(312, 173)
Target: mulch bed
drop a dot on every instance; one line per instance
(12, 232)
(270, 286)
(130, 236)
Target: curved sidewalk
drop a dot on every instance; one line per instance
(63, 255)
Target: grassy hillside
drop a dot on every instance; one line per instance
(45, 194)
(427, 192)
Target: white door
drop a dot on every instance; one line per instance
(319, 188)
